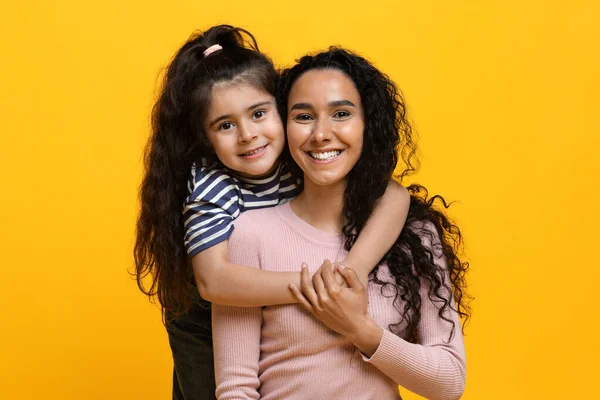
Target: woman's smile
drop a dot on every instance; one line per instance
(325, 126)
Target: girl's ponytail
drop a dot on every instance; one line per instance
(177, 142)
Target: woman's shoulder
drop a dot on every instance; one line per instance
(257, 226)
(260, 217)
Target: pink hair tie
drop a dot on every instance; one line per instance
(212, 49)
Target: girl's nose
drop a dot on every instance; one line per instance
(246, 134)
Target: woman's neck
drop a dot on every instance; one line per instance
(321, 206)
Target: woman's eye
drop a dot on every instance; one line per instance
(303, 117)
(259, 114)
(341, 114)
(225, 126)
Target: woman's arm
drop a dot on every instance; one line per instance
(222, 282)
(435, 368)
(380, 232)
(237, 331)
(236, 344)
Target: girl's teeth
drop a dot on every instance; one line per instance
(254, 151)
(325, 156)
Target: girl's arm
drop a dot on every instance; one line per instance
(380, 232)
(222, 282)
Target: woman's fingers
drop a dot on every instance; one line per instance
(338, 277)
(329, 279)
(350, 275)
(307, 286)
(303, 301)
(318, 283)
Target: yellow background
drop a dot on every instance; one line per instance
(504, 95)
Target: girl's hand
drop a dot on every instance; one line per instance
(343, 309)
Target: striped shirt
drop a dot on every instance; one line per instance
(216, 197)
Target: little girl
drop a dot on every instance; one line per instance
(213, 154)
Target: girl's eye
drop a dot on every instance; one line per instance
(258, 114)
(225, 126)
(341, 114)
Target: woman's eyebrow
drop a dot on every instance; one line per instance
(301, 106)
(335, 103)
(341, 103)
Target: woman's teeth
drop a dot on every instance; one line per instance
(328, 155)
(254, 151)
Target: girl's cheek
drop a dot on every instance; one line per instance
(276, 127)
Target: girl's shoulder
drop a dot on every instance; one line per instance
(204, 179)
(201, 170)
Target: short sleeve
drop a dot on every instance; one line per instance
(209, 210)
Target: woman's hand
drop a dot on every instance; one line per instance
(342, 309)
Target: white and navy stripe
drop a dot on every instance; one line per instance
(216, 198)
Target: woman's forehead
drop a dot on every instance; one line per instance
(322, 87)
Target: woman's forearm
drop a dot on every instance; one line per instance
(435, 371)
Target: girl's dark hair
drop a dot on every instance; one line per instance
(387, 135)
(177, 141)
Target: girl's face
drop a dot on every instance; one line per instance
(245, 129)
(325, 125)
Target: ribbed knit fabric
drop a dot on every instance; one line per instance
(283, 352)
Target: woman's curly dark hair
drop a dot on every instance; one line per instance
(177, 141)
(388, 136)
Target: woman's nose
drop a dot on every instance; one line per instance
(322, 132)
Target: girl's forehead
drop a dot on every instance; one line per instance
(235, 99)
(223, 95)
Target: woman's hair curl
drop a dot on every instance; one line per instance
(428, 235)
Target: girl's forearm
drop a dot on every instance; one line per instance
(241, 286)
(381, 231)
(222, 282)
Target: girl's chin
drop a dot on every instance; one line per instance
(258, 173)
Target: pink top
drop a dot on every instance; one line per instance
(283, 352)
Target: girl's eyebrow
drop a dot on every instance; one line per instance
(253, 106)
(335, 103)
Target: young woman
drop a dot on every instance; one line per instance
(352, 342)
(213, 154)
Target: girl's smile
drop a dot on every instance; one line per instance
(245, 129)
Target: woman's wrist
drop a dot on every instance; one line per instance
(367, 336)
